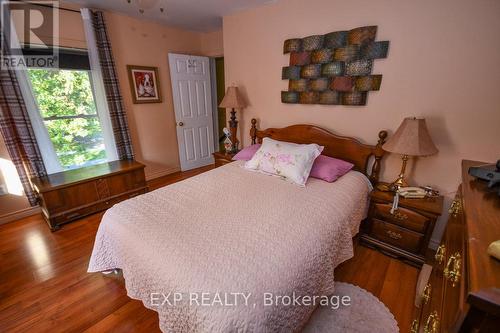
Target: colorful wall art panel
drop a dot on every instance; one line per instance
(333, 69)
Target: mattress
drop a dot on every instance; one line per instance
(244, 242)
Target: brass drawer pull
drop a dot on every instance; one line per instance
(455, 208)
(414, 326)
(394, 235)
(440, 253)
(452, 207)
(426, 295)
(432, 323)
(452, 269)
(400, 216)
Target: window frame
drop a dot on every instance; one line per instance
(73, 117)
(77, 60)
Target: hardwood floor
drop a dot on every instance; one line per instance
(391, 280)
(44, 284)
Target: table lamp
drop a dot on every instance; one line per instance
(411, 139)
(233, 100)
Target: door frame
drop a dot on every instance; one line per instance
(215, 113)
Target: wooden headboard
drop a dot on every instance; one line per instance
(345, 148)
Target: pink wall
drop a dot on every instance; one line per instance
(442, 65)
(212, 44)
(152, 126)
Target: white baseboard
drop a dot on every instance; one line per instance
(161, 173)
(14, 216)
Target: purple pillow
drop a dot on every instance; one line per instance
(247, 153)
(326, 168)
(329, 169)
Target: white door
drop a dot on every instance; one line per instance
(190, 76)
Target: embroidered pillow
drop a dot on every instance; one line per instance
(324, 167)
(290, 161)
(246, 153)
(329, 169)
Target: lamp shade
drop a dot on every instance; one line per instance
(232, 99)
(412, 138)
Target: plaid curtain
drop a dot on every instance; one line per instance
(17, 132)
(112, 89)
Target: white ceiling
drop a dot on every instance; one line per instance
(197, 15)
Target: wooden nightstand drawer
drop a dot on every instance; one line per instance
(404, 234)
(220, 162)
(397, 236)
(403, 217)
(221, 158)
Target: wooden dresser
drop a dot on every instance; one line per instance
(72, 194)
(462, 292)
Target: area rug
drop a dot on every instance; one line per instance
(365, 314)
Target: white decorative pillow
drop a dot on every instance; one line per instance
(290, 161)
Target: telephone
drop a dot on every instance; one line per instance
(412, 192)
(488, 172)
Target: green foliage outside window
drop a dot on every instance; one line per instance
(67, 106)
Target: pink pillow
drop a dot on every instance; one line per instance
(329, 169)
(247, 153)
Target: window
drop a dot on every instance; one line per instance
(69, 112)
(66, 103)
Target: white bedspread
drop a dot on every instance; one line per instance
(231, 231)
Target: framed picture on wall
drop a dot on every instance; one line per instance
(144, 84)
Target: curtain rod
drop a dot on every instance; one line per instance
(47, 6)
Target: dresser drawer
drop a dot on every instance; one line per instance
(454, 264)
(91, 209)
(124, 182)
(113, 201)
(397, 236)
(403, 217)
(68, 198)
(74, 214)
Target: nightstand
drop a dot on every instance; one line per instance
(222, 158)
(405, 233)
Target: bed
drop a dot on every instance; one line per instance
(224, 251)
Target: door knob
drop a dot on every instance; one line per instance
(180, 123)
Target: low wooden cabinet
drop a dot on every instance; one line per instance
(73, 194)
(461, 294)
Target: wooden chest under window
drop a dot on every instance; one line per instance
(69, 195)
